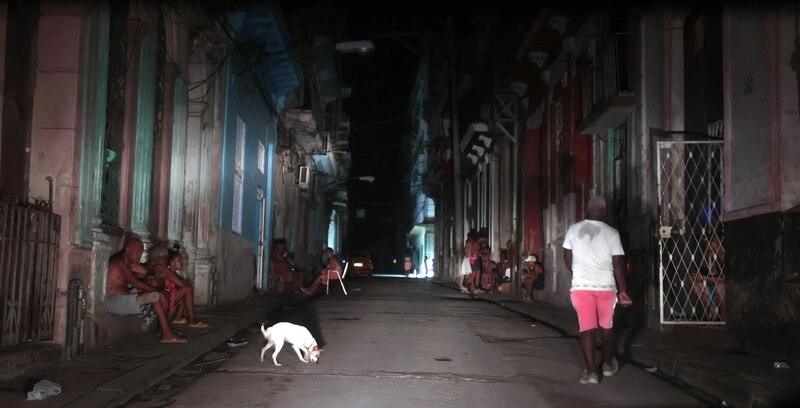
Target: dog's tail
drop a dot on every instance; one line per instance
(266, 332)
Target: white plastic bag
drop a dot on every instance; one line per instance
(44, 389)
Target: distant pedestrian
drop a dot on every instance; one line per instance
(593, 254)
(470, 253)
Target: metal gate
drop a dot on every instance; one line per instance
(690, 249)
(28, 258)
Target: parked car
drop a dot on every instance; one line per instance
(359, 263)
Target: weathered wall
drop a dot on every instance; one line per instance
(236, 268)
(749, 132)
(789, 120)
(55, 135)
(763, 284)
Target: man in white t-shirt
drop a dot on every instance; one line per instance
(593, 254)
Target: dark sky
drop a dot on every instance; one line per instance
(378, 111)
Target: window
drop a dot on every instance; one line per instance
(262, 151)
(238, 176)
(430, 208)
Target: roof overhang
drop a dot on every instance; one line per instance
(609, 114)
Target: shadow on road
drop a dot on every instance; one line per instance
(300, 311)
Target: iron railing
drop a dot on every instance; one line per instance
(29, 242)
(610, 74)
(691, 245)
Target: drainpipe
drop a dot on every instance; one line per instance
(49, 192)
(74, 295)
(80, 316)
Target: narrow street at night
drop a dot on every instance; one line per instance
(398, 343)
(488, 204)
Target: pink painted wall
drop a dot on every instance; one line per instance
(55, 134)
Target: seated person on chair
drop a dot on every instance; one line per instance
(291, 281)
(491, 277)
(327, 273)
(127, 295)
(708, 284)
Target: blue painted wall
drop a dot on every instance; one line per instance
(241, 100)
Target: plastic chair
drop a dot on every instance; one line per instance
(340, 278)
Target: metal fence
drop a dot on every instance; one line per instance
(29, 241)
(691, 251)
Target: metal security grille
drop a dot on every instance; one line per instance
(29, 239)
(691, 254)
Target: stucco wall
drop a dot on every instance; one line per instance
(54, 136)
(763, 285)
(235, 269)
(749, 132)
(788, 114)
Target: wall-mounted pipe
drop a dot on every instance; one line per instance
(74, 291)
(49, 192)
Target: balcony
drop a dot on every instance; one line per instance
(608, 95)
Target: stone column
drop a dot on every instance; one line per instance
(143, 162)
(190, 182)
(178, 160)
(203, 267)
(96, 286)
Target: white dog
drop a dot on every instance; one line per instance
(298, 336)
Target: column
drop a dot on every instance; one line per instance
(143, 156)
(178, 160)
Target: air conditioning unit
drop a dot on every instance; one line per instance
(303, 176)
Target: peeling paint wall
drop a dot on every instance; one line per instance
(236, 268)
(763, 295)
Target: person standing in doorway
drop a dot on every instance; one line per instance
(593, 254)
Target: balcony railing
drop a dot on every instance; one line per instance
(610, 74)
(607, 85)
(615, 68)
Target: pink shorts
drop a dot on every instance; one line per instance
(594, 307)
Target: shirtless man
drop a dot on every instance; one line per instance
(333, 265)
(120, 300)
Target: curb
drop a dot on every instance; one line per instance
(125, 387)
(715, 382)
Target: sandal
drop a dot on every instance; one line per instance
(198, 325)
(174, 340)
(181, 321)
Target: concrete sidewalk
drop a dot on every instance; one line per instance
(127, 368)
(737, 378)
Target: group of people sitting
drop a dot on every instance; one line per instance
(480, 274)
(290, 280)
(153, 290)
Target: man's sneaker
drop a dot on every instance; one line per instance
(609, 370)
(589, 378)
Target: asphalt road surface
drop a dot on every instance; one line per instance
(408, 343)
